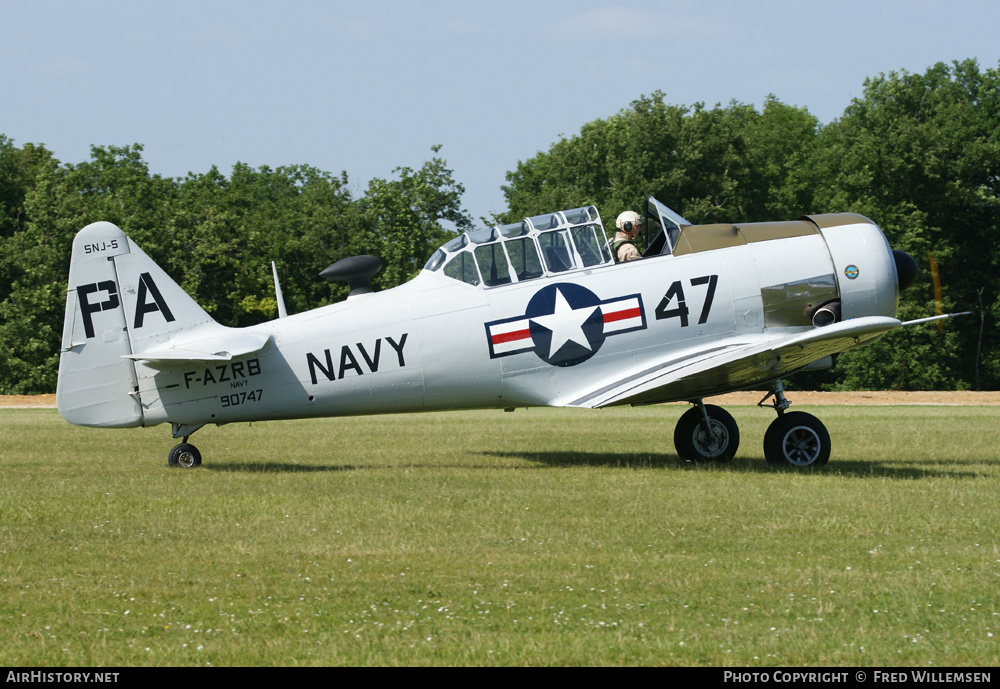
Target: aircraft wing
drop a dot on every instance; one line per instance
(731, 364)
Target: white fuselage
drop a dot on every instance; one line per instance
(439, 343)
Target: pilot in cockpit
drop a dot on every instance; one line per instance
(629, 224)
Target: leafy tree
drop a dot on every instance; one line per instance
(917, 153)
(403, 219)
(920, 155)
(297, 216)
(215, 235)
(730, 163)
(114, 185)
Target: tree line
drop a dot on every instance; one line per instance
(215, 235)
(917, 153)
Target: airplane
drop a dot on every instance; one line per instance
(533, 313)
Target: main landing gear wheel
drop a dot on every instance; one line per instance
(798, 439)
(695, 444)
(184, 455)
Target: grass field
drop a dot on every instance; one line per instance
(542, 537)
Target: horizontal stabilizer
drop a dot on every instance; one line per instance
(219, 346)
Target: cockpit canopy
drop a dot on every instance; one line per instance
(662, 226)
(547, 244)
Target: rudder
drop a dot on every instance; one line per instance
(97, 385)
(118, 302)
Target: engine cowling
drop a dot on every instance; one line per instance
(864, 265)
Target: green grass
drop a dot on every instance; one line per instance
(542, 537)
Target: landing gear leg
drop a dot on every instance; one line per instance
(780, 404)
(796, 438)
(706, 433)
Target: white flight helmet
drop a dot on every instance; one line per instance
(628, 221)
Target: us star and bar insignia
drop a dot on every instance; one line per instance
(565, 324)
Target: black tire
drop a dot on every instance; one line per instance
(797, 439)
(184, 455)
(694, 445)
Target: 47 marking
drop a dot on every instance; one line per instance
(673, 304)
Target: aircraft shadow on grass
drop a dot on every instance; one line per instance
(898, 469)
(895, 469)
(280, 468)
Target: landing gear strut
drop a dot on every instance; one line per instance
(796, 438)
(706, 433)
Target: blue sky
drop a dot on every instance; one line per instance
(369, 86)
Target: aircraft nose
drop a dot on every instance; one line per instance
(906, 268)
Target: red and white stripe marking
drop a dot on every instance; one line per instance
(623, 314)
(510, 337)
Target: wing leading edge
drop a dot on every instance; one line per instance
(731, 364)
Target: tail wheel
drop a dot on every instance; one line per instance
(184, 455)
(695, 443)
(797, 439)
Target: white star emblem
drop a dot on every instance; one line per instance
(566, 324)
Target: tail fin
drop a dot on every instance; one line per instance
(118, 302)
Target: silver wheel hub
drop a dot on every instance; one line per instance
(801, 446)
(711, 445)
